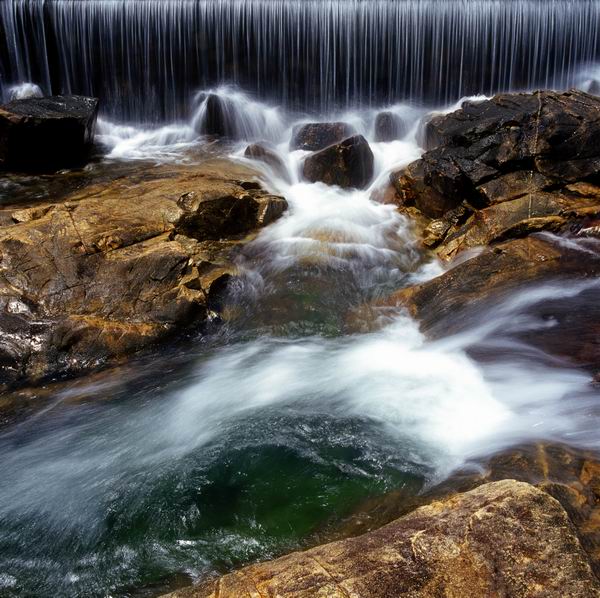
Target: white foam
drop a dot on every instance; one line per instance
(23, 91)
(129, 142)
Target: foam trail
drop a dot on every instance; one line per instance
(245, 118)
(139, 143)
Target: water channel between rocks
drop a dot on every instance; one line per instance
(244, 444)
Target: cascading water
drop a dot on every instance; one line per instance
(248, 443)
(241, 445)
(146, 58)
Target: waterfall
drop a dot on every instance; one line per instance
(146, 58)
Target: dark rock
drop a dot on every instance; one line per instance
(260, 152)
(348, 164)
(412, 190)
(513, 185)
(50, 133)
(594, 88)
(513, 159)
(511, 130)
(316, 136)
(219, 118)
(389, 127)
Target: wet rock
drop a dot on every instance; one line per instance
(225, 210)
(513, 185)
(262, 153)
(502, 154)
(42, 134)
(518, 218)
(504, 534)
(115, 268)
(218, 119)
(412, 190)
(389, 127)
(348, 164)
(513, 130)
(470, 286)
(316, 136)
(437, 230)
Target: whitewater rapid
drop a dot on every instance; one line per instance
(221, 451)
(434, 393)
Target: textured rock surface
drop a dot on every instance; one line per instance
(515, 164)
(316, 136)
(502, 539)
(113, 268)
(47, 133)
(439, 303)
(348, 164)
(571, 476)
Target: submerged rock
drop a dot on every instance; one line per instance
(348, 164)
(506, 534)
(389, 127)
(262, 153)
(114, 268)
(316, 136)
(41, 134)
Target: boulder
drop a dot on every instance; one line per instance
(503, 538)
(389, 127)
(348, 164)
(262, 153)
(50, 133)
(511, 162)
(217, 118)
(570, 475)
(316, 136)
(115, 268)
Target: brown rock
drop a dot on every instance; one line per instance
(439, 303)
(317, 136)
(569, 475)
(412, 190)
(117, 267)
(348, 164)
(504, 537)
(260, 152)
(437, 230)
(517, 218)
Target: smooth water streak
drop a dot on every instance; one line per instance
(146, 58)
